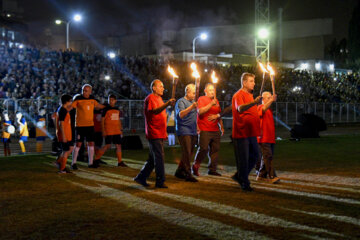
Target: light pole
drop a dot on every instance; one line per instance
(76, 18)
(203, 36)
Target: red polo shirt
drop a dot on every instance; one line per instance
(155, 124)
(267, 126)
(202, 120)
(247, 123)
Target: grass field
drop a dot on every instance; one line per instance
(317, 198)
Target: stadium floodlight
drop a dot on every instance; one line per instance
(304, 66)
(202, 36)
(8, 15)
(331, 67)
(107, 77)
(318, 66)
(263, 33)
(76, 18)
(21, 46)
(111, 55)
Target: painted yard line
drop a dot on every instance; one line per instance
(320, 178)
(207, 227)
(203, 173)
(264, 186)
(338, 218)
(299, 186)
(294, 176)
(245, 215)
(287, 191)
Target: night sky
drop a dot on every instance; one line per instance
(114, 17)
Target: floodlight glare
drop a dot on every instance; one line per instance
(263, 33)
(107, 77)
(203, 36)
(77, 17)
(111, 55)
(331, 67)
(21, 46)
(57, 21)
(304, 66)
(317, 66)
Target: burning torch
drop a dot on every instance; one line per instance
(214, 79)
(174, 80)
(196, 75)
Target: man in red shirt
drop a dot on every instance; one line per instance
(210, 131)
(155, 129)
(246, 129)
(267, 139)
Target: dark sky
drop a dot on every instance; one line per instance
(116, 17)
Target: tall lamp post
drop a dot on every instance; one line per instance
(202, 36)
(76, 18)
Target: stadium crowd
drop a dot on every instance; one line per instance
(31, 73)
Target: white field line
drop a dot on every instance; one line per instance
(338, 218)
(325, 189)
(286, 191)
(204, 226)
(294, 176)
(171, 168)
(245, 215)
(275, 188)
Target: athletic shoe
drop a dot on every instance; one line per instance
(96, 163)
(191, 179)
(214, 173)
(93, 166)
(122, 164)
(247, 188)
(195, 170)
(179, 173)
(275, 180)
(74, 166)
(141, 182)
(262, 179)
(67, 170)
(102, 162)
(61, 172)
(161, 186)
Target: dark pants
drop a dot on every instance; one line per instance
(155, 160)
(246, 155)
(206, 140)
(266, 167)
(187, 144)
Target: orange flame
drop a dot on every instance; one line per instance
(214, 78)
(270, 69)
(172, 72)
(263, 67)
(195, 72)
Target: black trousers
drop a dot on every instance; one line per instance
(246, 154)
(155, 160)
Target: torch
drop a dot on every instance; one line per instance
(196, 75)
(174, 80)
(214, 79)
(263, 80)
(272, 77)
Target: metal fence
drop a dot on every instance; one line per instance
(133, 117)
